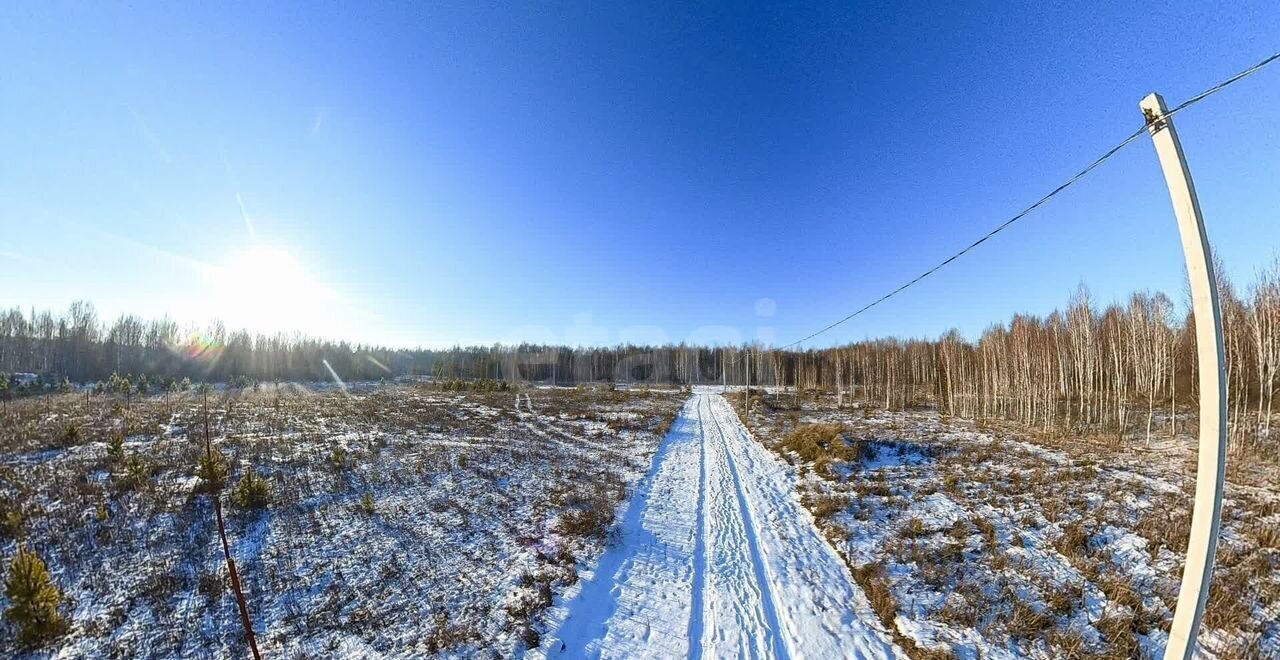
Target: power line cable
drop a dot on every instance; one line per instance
(1069, 182)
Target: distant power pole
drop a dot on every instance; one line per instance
(1212, 463)
(724, 377)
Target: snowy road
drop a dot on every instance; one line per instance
(718, 559)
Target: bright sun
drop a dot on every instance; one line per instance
(266, 289)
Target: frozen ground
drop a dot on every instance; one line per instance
(480, 511)
(718, 559)
(983, 542)
(405, 521)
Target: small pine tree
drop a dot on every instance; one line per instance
(115, 446)
(33, 600)
(338, 458)
(71, 435)
(12, 518)
(366, 504)
(137, 474)
(252, 492)
(212, 471)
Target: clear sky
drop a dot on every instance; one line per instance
(602, 172)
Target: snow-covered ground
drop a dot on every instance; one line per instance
(718, 559)
(562, 523)
(480, 510)
(986, 543)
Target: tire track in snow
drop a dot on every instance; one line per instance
(773, 643)
(717, 559)
(696, 625)
(823, 613)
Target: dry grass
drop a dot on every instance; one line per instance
(823, 507)
(817, 443)
(874, 580)
(467, 467)
(1030, 503)
(589, 515)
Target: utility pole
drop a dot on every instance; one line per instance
(724, 376)
(1212, 461)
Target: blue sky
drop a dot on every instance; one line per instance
(602, 172)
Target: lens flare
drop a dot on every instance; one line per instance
(377, 364)
(336, 379)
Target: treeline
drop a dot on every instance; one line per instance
(81, 347)
(1115, 370)
(1119, 369)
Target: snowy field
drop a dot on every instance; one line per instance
(407, 521)
(403, 521)
(980, 543)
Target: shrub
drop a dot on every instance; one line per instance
(119, 385)
(12, 519)
(251, 492)
(212, 472)
(462, 461)
(137, 474)
(338, 458)
(366, 504)
(115, 447)
(33, 600)
(71, 435)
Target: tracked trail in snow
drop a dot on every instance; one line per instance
(717, 559)
(741, 601)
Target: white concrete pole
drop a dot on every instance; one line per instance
(1211, 468)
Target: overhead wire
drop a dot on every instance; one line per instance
(1038, 203)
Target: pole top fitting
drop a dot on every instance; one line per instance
(1154, 110)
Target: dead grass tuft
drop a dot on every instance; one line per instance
(874, 580)
(815, 442)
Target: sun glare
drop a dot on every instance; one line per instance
(266, 289)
